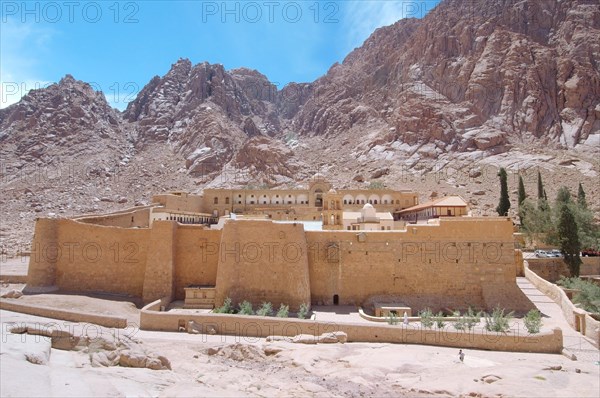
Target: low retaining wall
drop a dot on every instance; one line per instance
(591, 327)
(551, 269)
(250, 327)
(13, 278)
(66, 315)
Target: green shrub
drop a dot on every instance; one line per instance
(283, 311)
(568, 283)
(226, 308)
(266, 309)
(468, 320)
(533, 321)
(245, 308)
(303, 311)
(588, 297)
(439, 322)
(426, 318)
(472, 318)
(460, 323)
(498, 321)
(393, 318)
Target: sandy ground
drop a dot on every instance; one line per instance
(242, 368)
(14, 266)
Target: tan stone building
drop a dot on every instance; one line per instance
(287, 204)
(450, 263)
(368, 219)
(449, 206)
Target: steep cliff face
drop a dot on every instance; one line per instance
(434, 104)
(208, 115)
(67, 118)
(474, 75)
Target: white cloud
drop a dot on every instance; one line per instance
(22, 48)
(361, 18)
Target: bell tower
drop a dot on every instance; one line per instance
(333, 214)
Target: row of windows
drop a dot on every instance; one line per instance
(357, 228)
(275, 200)
(187, 219)
(264, 201)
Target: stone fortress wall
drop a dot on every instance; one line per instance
(460, 262)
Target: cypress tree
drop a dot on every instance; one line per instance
(563, 197)
(569, 239)
(541, 191)
(522, 197)
(522, 194)
(504, 203)
(581, 197)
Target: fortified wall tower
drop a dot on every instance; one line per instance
(450, 264)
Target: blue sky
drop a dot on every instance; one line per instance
(118, 46)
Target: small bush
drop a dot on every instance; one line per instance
(283, 311)
(266, 309)
(303, 311)
(460, 323)
(393, 318)
(439, 322)
(245, 308)
(226, 308)
(569, 283)
(588, 296)
(533, 321)
(472, 318)
(497, 321)
(426, 318)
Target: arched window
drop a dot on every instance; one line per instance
(216, 200)
(227, 200)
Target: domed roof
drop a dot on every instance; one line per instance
(318, 176)
(368, 206)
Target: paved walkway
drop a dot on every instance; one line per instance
(553, 316)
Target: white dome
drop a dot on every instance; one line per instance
(368, 211)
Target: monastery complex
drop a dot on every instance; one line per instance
(317, 246)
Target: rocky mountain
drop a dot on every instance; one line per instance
(434, 104)
(208, 115)
(67, 118)
(471, 75)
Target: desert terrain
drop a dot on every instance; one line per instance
(232, 366)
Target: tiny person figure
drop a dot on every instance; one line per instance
(405, 318)
(461, 355)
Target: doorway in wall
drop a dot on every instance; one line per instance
(336, 299)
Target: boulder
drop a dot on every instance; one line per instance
(304, 339)
(104, 359)
(342, 337)
(132, 359)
